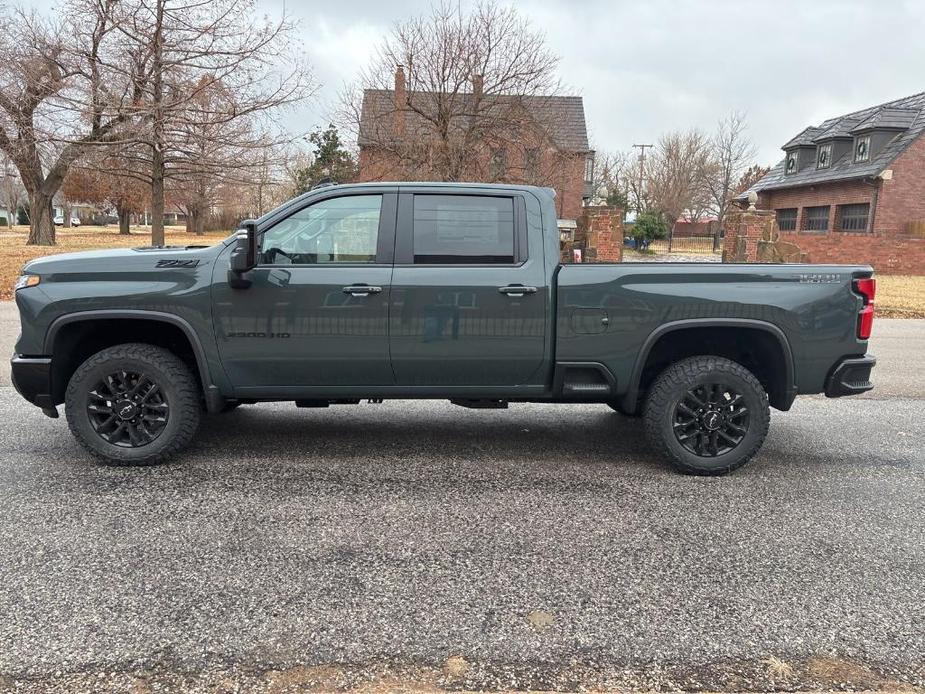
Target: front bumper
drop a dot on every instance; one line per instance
(850, 377)
(32, 379)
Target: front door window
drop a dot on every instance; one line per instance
(337, 230)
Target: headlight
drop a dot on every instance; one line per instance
(26, 281)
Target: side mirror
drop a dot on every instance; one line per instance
(244, 255)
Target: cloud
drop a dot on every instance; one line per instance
(648, 66)
(644, 68)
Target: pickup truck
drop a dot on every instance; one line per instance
(424, 290)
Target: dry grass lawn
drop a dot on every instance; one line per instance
(14, 253)
(900, 296)
(897, 296)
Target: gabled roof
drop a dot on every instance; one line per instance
(888, 118)
(806, 138)
(561, 117)
(906, 116)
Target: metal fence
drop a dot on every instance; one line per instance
(689, 245)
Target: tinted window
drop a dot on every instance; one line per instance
(336, 230)
(463, 229)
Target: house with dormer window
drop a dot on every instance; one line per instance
(852, 189)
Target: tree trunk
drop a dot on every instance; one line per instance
(157, 197)
(41, 221)
(200, 226)
(66, 214)
(124, 221)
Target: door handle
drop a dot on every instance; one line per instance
(361, 290)
(517, 290)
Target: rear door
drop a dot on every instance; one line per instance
(468, 304)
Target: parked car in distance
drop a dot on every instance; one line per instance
(59, 220)
(423, 290)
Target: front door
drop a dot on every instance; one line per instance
(316, 313)
(469, 303)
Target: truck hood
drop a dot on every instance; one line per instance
(121, 259)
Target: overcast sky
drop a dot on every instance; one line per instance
(646, 67)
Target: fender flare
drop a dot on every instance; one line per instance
(790, 389)
(211, 392)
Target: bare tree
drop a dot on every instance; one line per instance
(609, 174)
(185, 53)
(636, 181)
(731, 152)
(675, 174)
(466, 89)
(12, 190)
(750, 177)
(57, 98)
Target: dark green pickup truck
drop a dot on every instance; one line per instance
(450, 291)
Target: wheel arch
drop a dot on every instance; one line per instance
(781, 395)
(138, 318)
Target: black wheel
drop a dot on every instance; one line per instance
(707, 415)
(133, 404)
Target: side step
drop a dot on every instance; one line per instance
(584, 380)
(585, 389)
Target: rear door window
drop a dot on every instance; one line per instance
(463, 229)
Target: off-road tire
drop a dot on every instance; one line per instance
(670, 388)
(177, 383)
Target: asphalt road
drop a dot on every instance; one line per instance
(542, 546)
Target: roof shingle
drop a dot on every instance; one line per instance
(906, 116)
(562, 117)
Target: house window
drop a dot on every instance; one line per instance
(862, 148)
(787, 219)
(792, 162)
(497, 166)
(824, 156)
(816, 218)
(589, 168)
(853, 217)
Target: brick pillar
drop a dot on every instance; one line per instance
(602, 229)
(743, 232)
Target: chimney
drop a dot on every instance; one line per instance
(400, 100)
(478, 83)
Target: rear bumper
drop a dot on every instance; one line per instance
(32, 379)
(850, 377)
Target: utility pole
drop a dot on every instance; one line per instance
(642, 167)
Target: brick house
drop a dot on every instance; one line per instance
(538, 140)
(852, 190)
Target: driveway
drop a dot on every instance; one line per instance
(421, 544)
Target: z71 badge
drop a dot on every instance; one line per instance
(177, 262)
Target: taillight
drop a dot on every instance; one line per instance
(867, 288)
